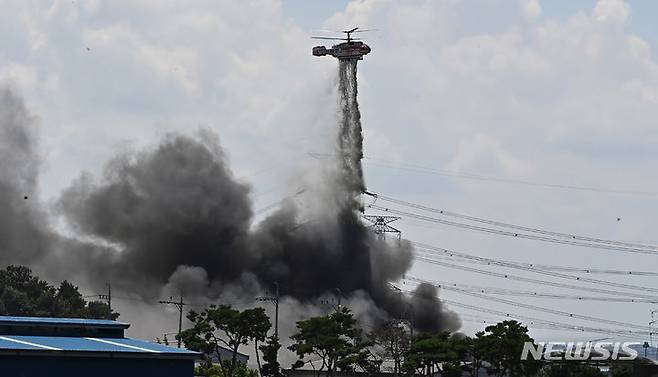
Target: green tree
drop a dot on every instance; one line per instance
(334, 339)
(500, 345)
(211, 370)
(573, 369)
(23, 294)
(270, 350)
(223, 325)
(432, 353)
(622, 370)
(98, 309)
(462, 346)
(391, 342)
(69, 302)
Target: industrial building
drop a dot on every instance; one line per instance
(72, 347)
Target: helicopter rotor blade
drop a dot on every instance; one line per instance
(331, 38)
(326, 31)
(364, 30)
(350, 31)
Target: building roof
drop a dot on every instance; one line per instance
(119, 346)
(59, 322)
(78, 337)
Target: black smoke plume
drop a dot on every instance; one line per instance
(24, 233)
(175, 214)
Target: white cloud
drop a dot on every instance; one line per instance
(531, 8)
(483, 54)
(176, 63)
(611, 11)
(36, 37)
(484, 153)
(357, 13)
(23, 77)
(639, 48)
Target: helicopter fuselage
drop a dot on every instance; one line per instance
(347, 50)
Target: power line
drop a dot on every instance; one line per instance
(480, 177)
(548, 310)
(535, 326)
(533, 320)
(530, 269)
(509, 225)
(544, 267)
(512, 292)
(279, 202)
(537, 281)
(540, 308)
(511, 234)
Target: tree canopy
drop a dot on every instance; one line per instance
(270, 350)
(23, 294)
(335, 339)
(500, 345)
(391, 342)
(218, 326)
(432, 353)
(570, 369)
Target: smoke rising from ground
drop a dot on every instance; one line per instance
(174, 218)
(23, 228)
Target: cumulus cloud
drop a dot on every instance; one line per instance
(355, 13)
(484, 54)
(177, 64)
(484, 153)
(611, 11)
(531, 8)
(21, 76)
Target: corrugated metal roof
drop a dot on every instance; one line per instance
(49, 321)
(103, 345)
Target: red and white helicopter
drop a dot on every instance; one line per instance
(353, 48)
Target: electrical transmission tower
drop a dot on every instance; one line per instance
(379, 225)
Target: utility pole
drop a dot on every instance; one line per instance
(652, 326)
(409, 319)
(276, 310)
(108, 298)
(275, 300)
(180, 305)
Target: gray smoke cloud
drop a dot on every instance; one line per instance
(174, 218)
(24, 233)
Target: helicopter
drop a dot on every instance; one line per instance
(352, 49)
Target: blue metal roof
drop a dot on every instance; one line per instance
(50, 321)
(102, 345)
